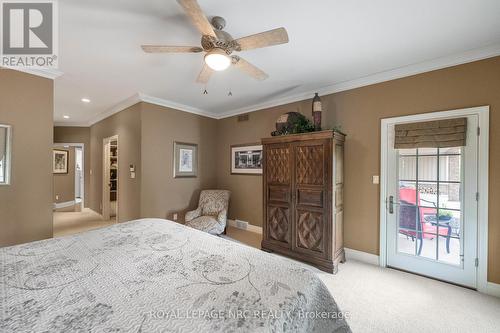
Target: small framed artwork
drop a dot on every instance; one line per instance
(185, 159)
(60, 161)
(246, 159)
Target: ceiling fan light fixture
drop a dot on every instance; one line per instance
(217, 59)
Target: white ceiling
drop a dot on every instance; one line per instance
(332, 42)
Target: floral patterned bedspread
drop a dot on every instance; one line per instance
(155, 275)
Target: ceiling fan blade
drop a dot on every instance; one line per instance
(249, 69)
(193, 10)
(263, 39)
(171, 49)
(205, 74)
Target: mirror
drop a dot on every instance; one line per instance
(4, 154)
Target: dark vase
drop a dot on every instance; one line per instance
(317, 110)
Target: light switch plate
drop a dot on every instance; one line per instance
(376, 180)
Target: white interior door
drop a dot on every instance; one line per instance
(106, 180)
(432, 209)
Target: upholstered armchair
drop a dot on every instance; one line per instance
(211, 214)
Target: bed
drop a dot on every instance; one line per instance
(154, 275)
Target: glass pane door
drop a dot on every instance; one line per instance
(431, 215)
(430, 203)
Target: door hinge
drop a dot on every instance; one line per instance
(477, 196)
(476, 262)
(478, 131)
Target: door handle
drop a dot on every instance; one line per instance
(391, 204)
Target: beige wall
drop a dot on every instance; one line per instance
(127, 125)
(359, 112)
(145, 139)
(64, 184)
(26, 103)
(78, 135)
(161, 194)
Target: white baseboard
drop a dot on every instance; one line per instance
(365, 257)
(64, 204)
(492, 289)
(250, 227)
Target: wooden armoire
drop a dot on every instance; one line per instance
(303, 197)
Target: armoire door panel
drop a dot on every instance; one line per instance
(279, 194)
(309, 231)
(310, 197)
(278, 162)
(278, 224)
(310, 163)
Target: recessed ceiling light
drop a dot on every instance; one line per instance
(66, 117)
(85, 100)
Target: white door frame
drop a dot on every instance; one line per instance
(483, 156)
(105, 177)
(81, 145)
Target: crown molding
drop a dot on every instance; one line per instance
(47, 73)
(397, 73)
(71, 124)
(132, 100)
(173, 105)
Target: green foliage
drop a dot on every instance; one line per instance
(445, 214)
(303, 125)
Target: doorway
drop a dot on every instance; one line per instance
(69, 185)
(110, 179)
(432, 219)
(79, 174)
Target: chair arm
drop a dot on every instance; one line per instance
(433, 203)
(222, 216)
(191, 215)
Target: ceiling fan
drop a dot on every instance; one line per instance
(219, 45)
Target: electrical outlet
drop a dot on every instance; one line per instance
(57, 197)
(175, 217)
(376, 180)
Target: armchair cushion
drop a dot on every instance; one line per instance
(208, 224)
(192, 214)
(211, 214)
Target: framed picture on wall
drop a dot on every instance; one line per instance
(185, 160)
(246, 159)
(60, 161)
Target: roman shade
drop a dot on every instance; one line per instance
(431, 134)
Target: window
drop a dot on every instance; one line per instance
(4, 154)
(430, 196)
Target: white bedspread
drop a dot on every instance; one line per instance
(155, 275)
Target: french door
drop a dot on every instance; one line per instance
(431, 208)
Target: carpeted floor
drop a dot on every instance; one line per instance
(387, 300)
(376, 299)
(68, 223)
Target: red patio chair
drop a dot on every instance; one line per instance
(407, 219)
